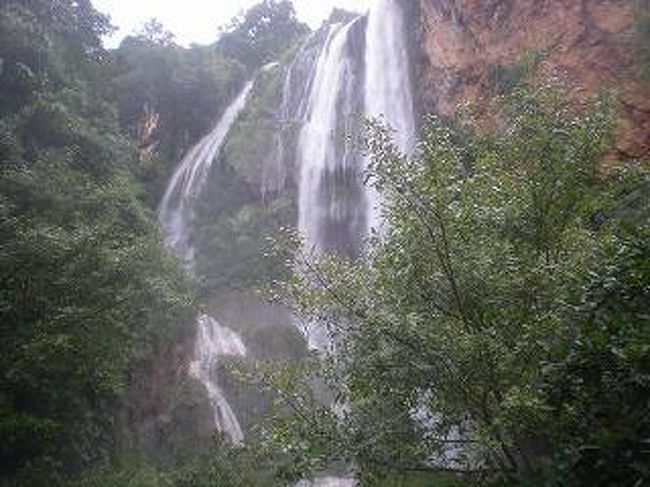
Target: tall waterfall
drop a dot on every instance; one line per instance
(176, 210)
(388, 94)
(176, 217)
(344, 72)
(328, 173)
(362, 70)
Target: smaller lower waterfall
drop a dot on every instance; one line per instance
(176, 211)
(212, 342)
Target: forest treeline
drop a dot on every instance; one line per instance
(505, 305)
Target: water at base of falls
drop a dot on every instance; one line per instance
(328, 482)
(212, 342)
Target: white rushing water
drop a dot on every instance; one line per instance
(176, 217)
(353, 69)
(325, 173)
(176, 210)
(318, 142)
(325, 214)
(388, 95)
(214, 341)
(362, 70)
(328, 482)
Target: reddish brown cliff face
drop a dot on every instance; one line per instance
(591, 45)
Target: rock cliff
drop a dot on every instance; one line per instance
(463, 47)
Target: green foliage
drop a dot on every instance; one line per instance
(251, 139)
(86, 287)
(231, 241)
(422, 480)
(223, 467)
(505, 78)
(498, 308)
(46, 41)
(154, 33)
(263, 33)
(603, 378)
(87, 292)
(300, 435)
(186, 88)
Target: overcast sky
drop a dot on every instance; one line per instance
(197, 21)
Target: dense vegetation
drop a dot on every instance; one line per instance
(87, 288)
(235, 221)
(88, 139)
(500, 321)
(501, 327)
(262, 33)
(182, 90)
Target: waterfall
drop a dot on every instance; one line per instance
(330, 188)
(331, 213)
(176, 210)
(290, 115)
(176, 217)
(351, 77)
(343, 72)
(212, 342)
(388, 94)
(362, 70)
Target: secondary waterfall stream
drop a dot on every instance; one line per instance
(212, 342)
(176, 214)
(176, 210)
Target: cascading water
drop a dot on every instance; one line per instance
(344, 72)
(176, 217)
(329, 187)
(350, 78)
(292, 113)
(362, 70)
(388, 94)
(176, 210)
(212, 342)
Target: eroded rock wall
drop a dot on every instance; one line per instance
(590, 44)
